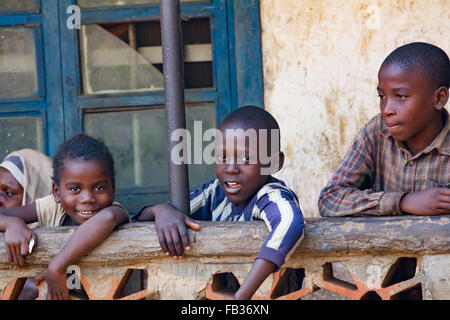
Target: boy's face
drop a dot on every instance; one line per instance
(11, 192)
(238, 171)
(407, 104)
(84, 189)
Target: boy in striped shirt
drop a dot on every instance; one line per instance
(244, 190)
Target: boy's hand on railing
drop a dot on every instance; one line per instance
(171, 229)
(430, 202)
(17, 237)
(56, 282)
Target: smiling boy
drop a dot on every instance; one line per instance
(399, 163)
(83, 194)
(244, 190)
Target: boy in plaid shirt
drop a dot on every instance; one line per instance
(399, 163)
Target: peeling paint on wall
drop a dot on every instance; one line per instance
(320, 64)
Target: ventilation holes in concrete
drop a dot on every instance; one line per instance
(337, 273)
(414, 293)
(225, 284)
(403, 269)
(18, 293)
(290, 281)
(133, 281)
(371, 295)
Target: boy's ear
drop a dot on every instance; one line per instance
(55, 191)
(441, 98)
(281, 160)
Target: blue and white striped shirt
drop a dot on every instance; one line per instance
(274, 203)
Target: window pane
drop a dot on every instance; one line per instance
(18, 5)
(21, 132)
(137, 140)
(110, 65)
(127, 57)
(197, 49)
(120, 3)
(18, 75)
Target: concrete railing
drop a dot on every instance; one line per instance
(340, 258)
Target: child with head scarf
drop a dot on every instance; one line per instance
(25, 176)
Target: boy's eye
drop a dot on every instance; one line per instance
(380, 96)
(244, 159)
(9, 193)
(75, 189)
(221, 158)
(99, 188)
(400, 96)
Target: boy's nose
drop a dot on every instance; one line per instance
(232, 168)
(388, 108)
(87, 197)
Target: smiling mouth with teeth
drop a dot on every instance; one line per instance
(233, 184)
(86, 212)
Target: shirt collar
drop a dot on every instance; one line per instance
(441, 142)
(238, 208)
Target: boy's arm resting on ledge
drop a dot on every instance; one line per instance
(171, 227)
(342, 197)
(260, 270)
(84, 239)
(348, 191)
(17, 234)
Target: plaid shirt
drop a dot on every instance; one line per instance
(378, 171)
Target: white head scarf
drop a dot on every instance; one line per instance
(33, 170)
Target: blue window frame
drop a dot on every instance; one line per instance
(71, 69)
(45, 103)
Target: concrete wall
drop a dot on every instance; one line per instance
(320, 64)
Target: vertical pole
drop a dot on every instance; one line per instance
(134, 114)
(172, 49)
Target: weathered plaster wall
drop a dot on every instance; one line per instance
(320, 64)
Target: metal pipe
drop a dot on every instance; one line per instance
(138, 179)
(172, 49)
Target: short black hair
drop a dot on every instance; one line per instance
(252, 117)
(423, 57)
(81, 146)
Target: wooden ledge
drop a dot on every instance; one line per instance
(138, 242)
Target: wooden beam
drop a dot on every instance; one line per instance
(138, 242)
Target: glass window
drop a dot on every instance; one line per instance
(18, 75)
(137, 140)
(196, 49)
(110, 65)
(127, 57)
(120, 3)
(19, 5)
(20, 132)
